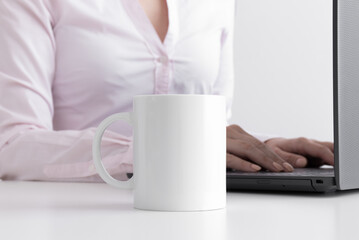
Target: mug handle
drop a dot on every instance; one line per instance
(96, 151)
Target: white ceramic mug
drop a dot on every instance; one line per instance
(179, 149)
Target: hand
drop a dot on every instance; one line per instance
(246, 153)
(303, 152)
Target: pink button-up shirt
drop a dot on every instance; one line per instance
(66, 65)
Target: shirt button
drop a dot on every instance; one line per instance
(163, 59)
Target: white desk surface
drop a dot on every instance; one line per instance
(43, 210)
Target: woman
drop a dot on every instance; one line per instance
(66, 65)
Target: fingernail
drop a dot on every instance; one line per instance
(288, 167)
(278, 166)
(256, 167)
(300, 162)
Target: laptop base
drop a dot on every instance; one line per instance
(302, 180)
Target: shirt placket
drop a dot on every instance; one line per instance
(161, 52)
(162, 75)
(164, 62)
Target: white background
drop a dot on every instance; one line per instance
(283, 67)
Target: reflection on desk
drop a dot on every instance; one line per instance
(48, 211)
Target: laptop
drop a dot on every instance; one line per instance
(345, 174)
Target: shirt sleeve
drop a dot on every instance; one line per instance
(29, 147)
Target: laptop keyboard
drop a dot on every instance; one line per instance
(302, 172)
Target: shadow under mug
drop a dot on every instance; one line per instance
(179, 149)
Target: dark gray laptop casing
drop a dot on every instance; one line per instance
(346, 93)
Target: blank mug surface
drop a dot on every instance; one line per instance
(179, 152)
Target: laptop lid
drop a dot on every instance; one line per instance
(346, 92)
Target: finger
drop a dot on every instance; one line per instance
(316, 150)
(323, 153)
(329, 145)
(241, 164)
(246, 150)
(292, 158)
(278, 159)
(257, 152)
